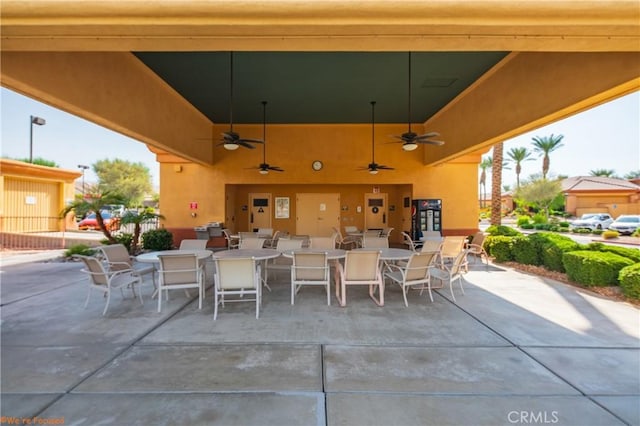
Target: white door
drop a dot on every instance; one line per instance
(259, 211)
(376, 215)
(317, 214)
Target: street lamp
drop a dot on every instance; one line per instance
(83, 167)
(40, 122)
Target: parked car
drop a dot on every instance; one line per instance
(593, 221)
(626, 224)
(112, 223)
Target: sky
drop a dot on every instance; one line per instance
(604, 137)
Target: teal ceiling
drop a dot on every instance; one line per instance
(319, 87)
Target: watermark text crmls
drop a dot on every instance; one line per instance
(529, 417)
(10, 420)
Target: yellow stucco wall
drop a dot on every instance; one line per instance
(343, 149)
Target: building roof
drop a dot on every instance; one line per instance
(597, 183)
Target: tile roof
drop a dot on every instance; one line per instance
(597, 183)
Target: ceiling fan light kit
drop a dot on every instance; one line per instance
(231, 146)
(409, 146)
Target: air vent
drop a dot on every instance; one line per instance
(438, 82)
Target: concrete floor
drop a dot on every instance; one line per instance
(515, 349)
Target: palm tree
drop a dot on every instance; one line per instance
(496, 184)
(517, 155)
(545, 145)
(603, 173)
(138, 219)
(634, 174)
(95, 204)
(485, 164)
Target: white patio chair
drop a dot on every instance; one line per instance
(374, 242)
(232, 243)
(415, 273)
(193, 244)
(386, 232)
(265, 232)
(180, 271)
(343, 242)
(450, 275)
(406, 239)
(360, 268)
(282, 263)
(451, 247)
(310, 269)
(251, 243)
(476, 248)
(102, 280)
(118, 259)
(327, 243)
(236, 277)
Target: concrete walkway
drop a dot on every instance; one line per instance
(515, 349)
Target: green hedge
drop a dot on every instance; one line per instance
(524, 251)
(499, 247)
(593, 268)
(502, 230)
(157, 240)
(629, 278)
(550, 247)
(629, 253)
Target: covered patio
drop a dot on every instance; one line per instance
(515, 349)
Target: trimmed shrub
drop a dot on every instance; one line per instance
(499, 247)
(581, 231)
(81, 249)
(607, 235)
(522, 220)
(502, 230)
(629, 278)
(125, 239)
(539, 218)
(527, 226)
(157, 239)
(550, 248)
(593, 268)
(524, 251)
(629, 253)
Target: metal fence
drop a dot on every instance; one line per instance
(46, 233)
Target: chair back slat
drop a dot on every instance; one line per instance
(418, 265)
(375, 242)
(117, 256)
(323, 242)
(193, 244)
(95, 270)
(251, 243)
(232, 274)
(286, 244)
(361, 265)
(452, 245)
(431, 246)
(310, 266)
(178, 269)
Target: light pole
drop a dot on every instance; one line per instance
(40, 122)
(83, 167)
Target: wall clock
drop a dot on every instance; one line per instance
(317, 165)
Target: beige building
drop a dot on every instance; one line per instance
(592, 194)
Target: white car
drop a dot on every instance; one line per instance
(626, 224)
(593, 221)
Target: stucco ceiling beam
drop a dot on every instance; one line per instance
(527, 91)
(114, 90)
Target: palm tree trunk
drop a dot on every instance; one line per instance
(496, 184)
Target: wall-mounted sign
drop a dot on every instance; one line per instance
(30, 199)
(193, 205)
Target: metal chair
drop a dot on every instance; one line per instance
(104, 281)
(450, 275)
(236, 277)
(232, 243)
(193, 244)
(118, 259)
(414, 273)
(360, 268)
(310, 269)
(180, 271)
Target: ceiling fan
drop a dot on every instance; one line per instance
(232, 140)
(373, 167)
(409, 139)
(264, 167)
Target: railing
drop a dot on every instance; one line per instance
(46, 233)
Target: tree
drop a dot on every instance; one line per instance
(138, 219)
(634, 174)
(544, 146)
(603, 173)
(496, 184)
(541, 191)
(95, 204)
(132, 180)
(485, 164)
(518, 155)
(39, 161)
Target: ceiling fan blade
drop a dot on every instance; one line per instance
(381, 167)
(230, 136)
(251, 140)
(428, 135)
(432, 142)
(245, 144)
(275, 168)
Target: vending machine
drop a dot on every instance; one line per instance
(426, 215)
